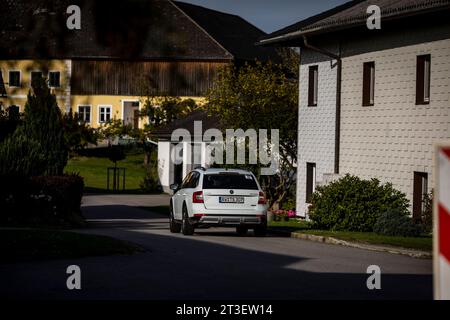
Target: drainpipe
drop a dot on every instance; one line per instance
(337, 135)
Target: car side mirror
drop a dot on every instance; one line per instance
(174, 187)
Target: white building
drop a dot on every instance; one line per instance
(372, 102)
(193, 154)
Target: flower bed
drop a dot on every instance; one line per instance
(283, 215)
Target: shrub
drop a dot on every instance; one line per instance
(9, 121)
(43, 200)
(353, 204)
(427, 214)
(21, 156)
(77, 133)
(396, 223)
(151, 183)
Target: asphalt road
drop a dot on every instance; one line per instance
(212, 264)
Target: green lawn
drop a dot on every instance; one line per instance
(420, 243)
(33, 244)
(94, 171)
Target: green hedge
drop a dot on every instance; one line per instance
(44, 200)
(396, 223)
(353, 204)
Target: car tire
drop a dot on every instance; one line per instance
(175, 227)
(261, 230)
(241, 230)
(186, 227)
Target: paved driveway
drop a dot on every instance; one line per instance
(213, 264)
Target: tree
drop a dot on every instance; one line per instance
(114, 128)
(262, 96)
(77, 133)
(9, 121)
(160, 111)
(38, 145)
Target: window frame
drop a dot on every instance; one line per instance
(313, 85)
(423, 79)
(90, 112)
(99, 113)
(59, 79)
(9, 78)
(368, 88)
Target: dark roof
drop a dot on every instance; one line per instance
(352, 14)
(236, 35)
(208, 122)
(131, 29)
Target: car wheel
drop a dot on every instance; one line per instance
(241, 230)
(186, 227)
(174, 226)
(261, 230)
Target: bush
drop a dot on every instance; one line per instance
(396, 223)
(427, 214)
(43, 200)
(150, 183)
(353, 204)
(21, 155)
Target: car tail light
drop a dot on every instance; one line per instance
(197, 197)
(199, 215)
(262, 198)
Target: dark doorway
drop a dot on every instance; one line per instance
(178, 173)
(420, 190)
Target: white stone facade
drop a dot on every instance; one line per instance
(391, 139)
(394, 138)
(316, 125)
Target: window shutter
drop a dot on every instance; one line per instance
(311, 87)
(366, 84)
(309, 181)
(420, 80)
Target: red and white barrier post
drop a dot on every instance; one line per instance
(441, 232)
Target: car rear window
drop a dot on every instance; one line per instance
(229, 181)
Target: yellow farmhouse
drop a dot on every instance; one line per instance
(134, 49)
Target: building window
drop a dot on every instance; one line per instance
(35, 75)
(104, 114)
(423, 79)
(313, 85)
(419, 191)
(54, 79)
(84, 113)
(310, 180)
(14, 79)
(368, 83)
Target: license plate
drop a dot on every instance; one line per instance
(229, 199)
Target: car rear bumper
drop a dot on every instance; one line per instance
(230, 220)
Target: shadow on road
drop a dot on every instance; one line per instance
(205, 267)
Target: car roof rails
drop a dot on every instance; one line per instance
(200, 168)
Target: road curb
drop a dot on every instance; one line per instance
(330, 240)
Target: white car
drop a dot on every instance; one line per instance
(218, 197)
